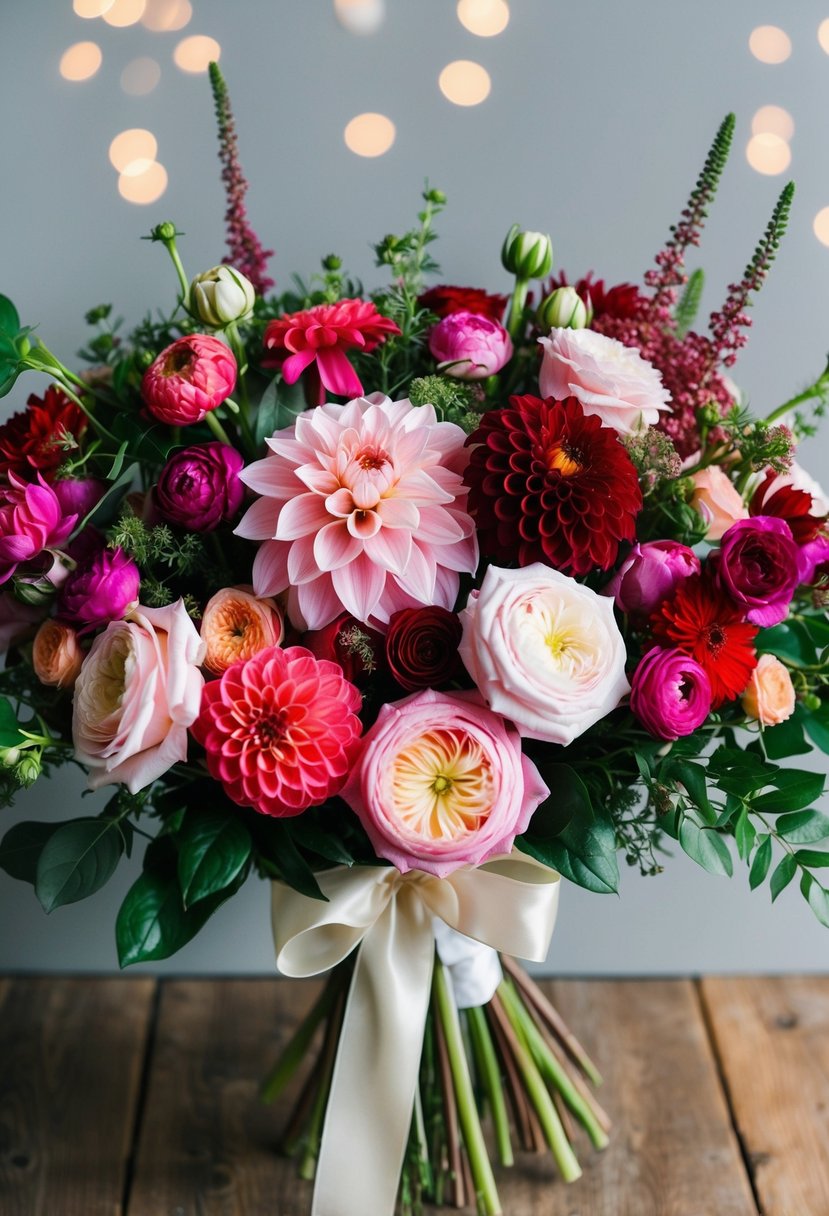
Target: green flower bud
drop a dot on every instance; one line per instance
(564, 309)
(709, 415)
(164, 232)
(331, 262)
(527, 255)
(811, 701)
(29, 768)
(221, 296)
(9, 756)
(435, 196)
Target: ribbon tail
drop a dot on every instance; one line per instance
(378, 1060)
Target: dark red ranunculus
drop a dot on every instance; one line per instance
(444, 300)
(199, 487)
(353, 645)
(422, 647)
(776, 496)
(39, 438)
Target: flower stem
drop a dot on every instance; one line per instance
(818, 389)
(308, 1165)
(490, 1074)
(297, 1046)
(217, 428)
(516, 308)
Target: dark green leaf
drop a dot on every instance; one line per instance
(292, 866)
(813, 858)
(118, 462)
(10, 734)
(794, 789)
(213, 846)
(9, 318)
(278, 407)
(786, 739)
(760, 864)
(585, 852)
(705, 847)
(783, 875)
(787, 642)
(817, 897)
(309, 835)
(803, 827)
(79, 857)
(745, 834)
(817, 728)
(21, 847)
(692, 776)
(568, 801)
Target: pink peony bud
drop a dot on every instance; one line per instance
(649, 574)
(199, 487)
(31, 520)
(101, 589)
(188, 380)
(469, 346)
(670, 693)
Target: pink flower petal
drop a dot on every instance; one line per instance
(334, 546)
(359, 586)
(337, 374)
(301, 515)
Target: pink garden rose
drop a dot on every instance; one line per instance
(649, 574)
(31, 520)
(759, 566)
(544, 651)
(138, 691)
(362, 510)
(440, 782)
(670, 693)
(717, 500)
(189, 378)
(610, 380)
(469, 346)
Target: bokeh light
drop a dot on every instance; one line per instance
(143, 187)
(91, 8)
(140, 76)
(821, 226)
(465, 83)
(768, 154)
(483, 17)
(369, 134)
(823, 35)
(773, 120)
(80, 61)
(193, 54)
(360, 16)
(770, 44)
(135, 144)
(163, 16)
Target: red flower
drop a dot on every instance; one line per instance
(702, 622)
(37, 440)
(621, 301)
(443, 300)
(347, 641)
(321, 336)
(548, 484)
(776, 496)
(422, 647)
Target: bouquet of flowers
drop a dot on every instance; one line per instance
(411, 602)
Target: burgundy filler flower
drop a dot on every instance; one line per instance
(422, 647)
(189, 379)
(199, 487)
(548, 484)
(37, 439)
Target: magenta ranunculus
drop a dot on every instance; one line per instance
(758, 566)
(199, 487)
(813, 559)
(470, 346)
(31, 520)
(649, 574)
(100, 590)
(189, 379)
(670, 693)
(440, 782)
(78, 496)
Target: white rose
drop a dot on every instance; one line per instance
(608, 378)
(544, 651)
(221, 295)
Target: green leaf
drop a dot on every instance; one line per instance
(287, 859)
(213, 846)
(745, 834)
(10, 733)
(279, 406)
(688, 306)
(692, 776)
(803, 827)
(705, 847)
(787, 739)
(77, 860)
(568, 801)
(118, 462)
(760, 864)
(9, 318)
(787, 642)
(794, 789)
(21, 847)
(817, 897)
(309, 835)
(817, 728)
(813, 858)
(783, 875)
(585, 852)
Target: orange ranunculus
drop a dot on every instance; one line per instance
(769, 696)
(56, 655)
(237, 625)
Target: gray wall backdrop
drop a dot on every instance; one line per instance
(597, 123)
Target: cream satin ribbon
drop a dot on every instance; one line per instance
(510, 903)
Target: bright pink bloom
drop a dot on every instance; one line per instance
(469, 346)
(670, 693)
(441, 782)
(79, 495)
(280, 730)
(363, 508)
(189, 379)
(321, 335)
(100, 590)
(759, 566)
(31, 520)
(649, 574)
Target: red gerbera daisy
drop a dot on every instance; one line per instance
(776, 496)
(37, 439)
(444, 299)
(703, 622)
(546, 483)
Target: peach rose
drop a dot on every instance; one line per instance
(717, 500)
(56, 655)
(237, 625)
(770, 694)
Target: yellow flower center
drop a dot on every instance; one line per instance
(442, 785)
(566, 462)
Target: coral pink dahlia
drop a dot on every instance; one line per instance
(363, 508)
(189, 379)
(280, 730)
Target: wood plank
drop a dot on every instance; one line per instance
(206, 1147)
(772, 1036)
(71, 1055)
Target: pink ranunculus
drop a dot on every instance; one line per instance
(138, 691)
(670, 693)
(77, 496)
(759, 567)
(649, 574)
(31, 520)
(608, 378)
(717, 500)
(189, 378)
(199, 487)
(440, 782)
(813, 559)
(469, 346)
(362, 509)
(101, 589)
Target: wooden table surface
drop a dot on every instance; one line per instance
(137, 1097)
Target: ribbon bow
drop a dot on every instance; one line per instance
(509, 903)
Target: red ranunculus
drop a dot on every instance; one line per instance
(347, 641)
(39, 438)
(422, 647)
(776, 496)
(444, 300)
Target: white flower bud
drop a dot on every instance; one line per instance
(221, 296)
(564, 309)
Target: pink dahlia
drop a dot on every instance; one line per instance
(280, 730)
(363, 509)
(31, 520)
(189, 379)
(321, 336)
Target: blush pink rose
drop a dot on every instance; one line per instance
(770, 694)
(440, 782)
(717, 500)
(608, 378)
(138, 691)
(469, 346)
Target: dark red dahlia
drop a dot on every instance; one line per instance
(443, 300)
(776, 496)
(621, 301)
(701, 621)
(38, 439)
(548, 484)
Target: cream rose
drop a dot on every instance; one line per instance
(717, 500)
(544, 651)
(770, 694)
(138, 691)
(608, 378)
